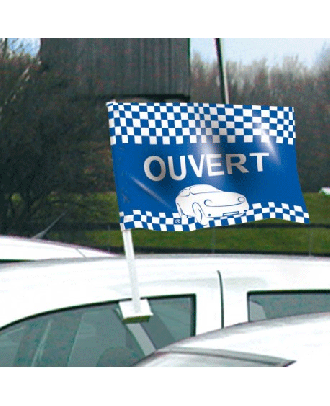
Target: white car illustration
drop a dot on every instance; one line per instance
(205, 202)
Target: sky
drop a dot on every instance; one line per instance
(274, 49)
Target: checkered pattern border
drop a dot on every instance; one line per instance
(171, 123)
(258, 212)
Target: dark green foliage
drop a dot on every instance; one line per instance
(50, 144)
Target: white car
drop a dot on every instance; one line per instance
(205, 202)
(297, 341)
(68, 312)
(27, 249)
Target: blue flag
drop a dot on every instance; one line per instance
(186, 166)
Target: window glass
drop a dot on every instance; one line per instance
(95, 335)
(173, 320)
(273, 304)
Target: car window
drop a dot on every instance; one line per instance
(273, 304)
(173, 320)
(95, 335)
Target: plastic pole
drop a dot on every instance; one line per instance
(129, 251)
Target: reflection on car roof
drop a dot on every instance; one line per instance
(291, 337)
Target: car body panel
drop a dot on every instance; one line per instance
(28, 288)
(36, 287)
(294, 341)
(29, 249)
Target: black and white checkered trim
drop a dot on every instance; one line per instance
(159, 222)
(167, 123)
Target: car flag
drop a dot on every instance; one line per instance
(186, 166)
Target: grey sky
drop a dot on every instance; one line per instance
(274, 49)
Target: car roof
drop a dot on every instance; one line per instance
(14, 248)
(33, 287)
(294, 338)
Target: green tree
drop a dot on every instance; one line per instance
(205, 81)
(51, 145)
(291, 84)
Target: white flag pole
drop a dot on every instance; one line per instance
(135, 310)
(129, 251)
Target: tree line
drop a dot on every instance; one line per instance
(52, 147)
(292, 84)
(55, 147)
